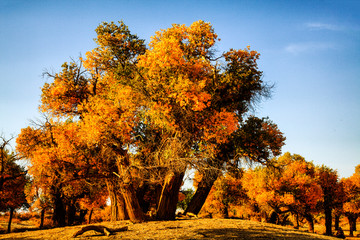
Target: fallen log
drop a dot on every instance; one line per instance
(101, 229)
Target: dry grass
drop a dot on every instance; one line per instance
(179, 229)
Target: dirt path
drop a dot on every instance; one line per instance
(180, 229)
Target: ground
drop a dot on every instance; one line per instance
(179, 229)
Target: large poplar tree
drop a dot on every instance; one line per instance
(139, 117)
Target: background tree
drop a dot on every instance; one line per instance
(288, 186)
(333, 193)
(351, 206)
(12, 181)
(62, 168)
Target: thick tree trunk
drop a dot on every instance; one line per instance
(59, 211)
(10, 220)
(328, 221)
(202, 192)
(310, 222)
(132, 204)
(42, 215)
(169, 196)
(71, 212)
(117, 207)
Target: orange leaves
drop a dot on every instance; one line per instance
(291, 183)
(352, 192)
(219, 126)
(69, 89)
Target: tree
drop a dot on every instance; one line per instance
(62, 167)
(333, 193)
(351, 206)
(141, 117)
(12, 181)
(288, 186)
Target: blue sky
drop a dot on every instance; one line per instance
(310, 50)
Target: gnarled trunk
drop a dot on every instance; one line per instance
(202, 192)
(132, 204)
(169, 196)
(117, 207)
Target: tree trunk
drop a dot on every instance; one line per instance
(337, 221)
(132, 204)
(328, 221)
(297, 221)
(310, 222)
(225, 211)
(71, 212)
(59, 211)
(202, 192)
(42, 215)
(352, 223)
(10, 219)
(169, 196)
(117, 207)
(82, 215)
(90, 214)
(274, 218)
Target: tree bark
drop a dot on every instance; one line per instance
(117, 207)
(310, 222)
(202, 192)
(10, 220)
(169, 196)
(132, 204)
(328, 221)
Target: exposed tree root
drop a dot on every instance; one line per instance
(101, 229)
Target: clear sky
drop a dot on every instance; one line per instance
(310, 50)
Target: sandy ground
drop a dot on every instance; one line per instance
(179, 229)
